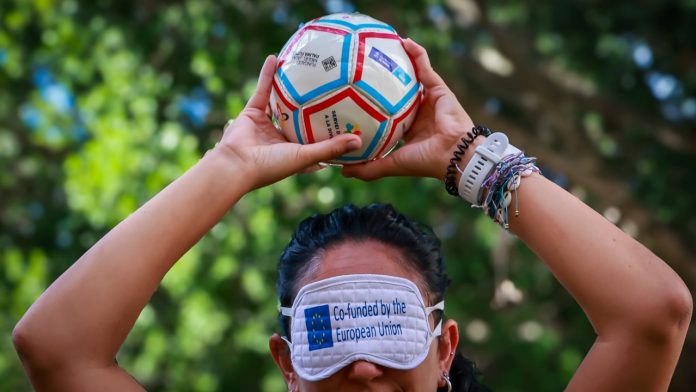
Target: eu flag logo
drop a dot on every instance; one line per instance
(318, 327)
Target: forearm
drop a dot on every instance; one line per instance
(621, 285)
(638, 306)
(87, 313)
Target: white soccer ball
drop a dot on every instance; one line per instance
(346, 73)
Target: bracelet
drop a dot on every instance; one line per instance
(502, 183)
(452, 168)
(482, 163)
(493, 175)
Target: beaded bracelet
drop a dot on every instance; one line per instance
(452, 168)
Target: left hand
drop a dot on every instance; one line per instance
(440, 123)
(257, 149)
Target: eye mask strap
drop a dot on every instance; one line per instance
(438, 306)
(286, 312)
(285, 339)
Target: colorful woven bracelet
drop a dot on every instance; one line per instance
(501, 185)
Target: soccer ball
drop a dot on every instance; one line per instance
(346, 73)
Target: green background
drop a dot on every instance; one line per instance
(102, 103)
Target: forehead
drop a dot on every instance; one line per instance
(364, 257)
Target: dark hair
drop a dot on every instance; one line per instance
(376, 222)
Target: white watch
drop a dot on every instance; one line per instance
(487, 155)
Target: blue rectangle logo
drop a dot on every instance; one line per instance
(383, 59)
(402, 76)
(318, 322)
(390, 65)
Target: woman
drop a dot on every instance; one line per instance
(639, 307)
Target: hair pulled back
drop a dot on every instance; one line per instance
(376, 222)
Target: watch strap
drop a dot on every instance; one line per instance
(486, 156)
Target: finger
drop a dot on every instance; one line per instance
(263, 89)
(424, 70)
(373, 170)
(227, 125)
(329, 149)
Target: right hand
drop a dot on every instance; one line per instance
(440, 123)
(261, 152)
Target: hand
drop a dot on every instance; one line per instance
(261, 152)
(440, 123)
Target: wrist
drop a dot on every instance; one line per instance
(228, 166)
(460, 153)
(468, 155)
(492, 163)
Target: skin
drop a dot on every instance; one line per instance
(639, 308)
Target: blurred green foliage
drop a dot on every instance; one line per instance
(102, 103)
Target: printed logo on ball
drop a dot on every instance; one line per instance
(307, 59)
(391, 65)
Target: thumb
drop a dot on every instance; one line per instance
(329, 149)
(263, 88)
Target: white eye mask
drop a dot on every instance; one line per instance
(377, 318)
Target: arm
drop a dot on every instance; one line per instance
(69, 337)
(639, 308)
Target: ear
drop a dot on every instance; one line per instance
(281, 355)
(448, 344)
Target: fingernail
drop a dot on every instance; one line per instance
(354, 143)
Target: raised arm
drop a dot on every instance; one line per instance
(639, 308)
(69, 337)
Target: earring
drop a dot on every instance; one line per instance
(445, 376)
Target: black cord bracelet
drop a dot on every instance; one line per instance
(466, 140)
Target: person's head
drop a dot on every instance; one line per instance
(373, 240)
